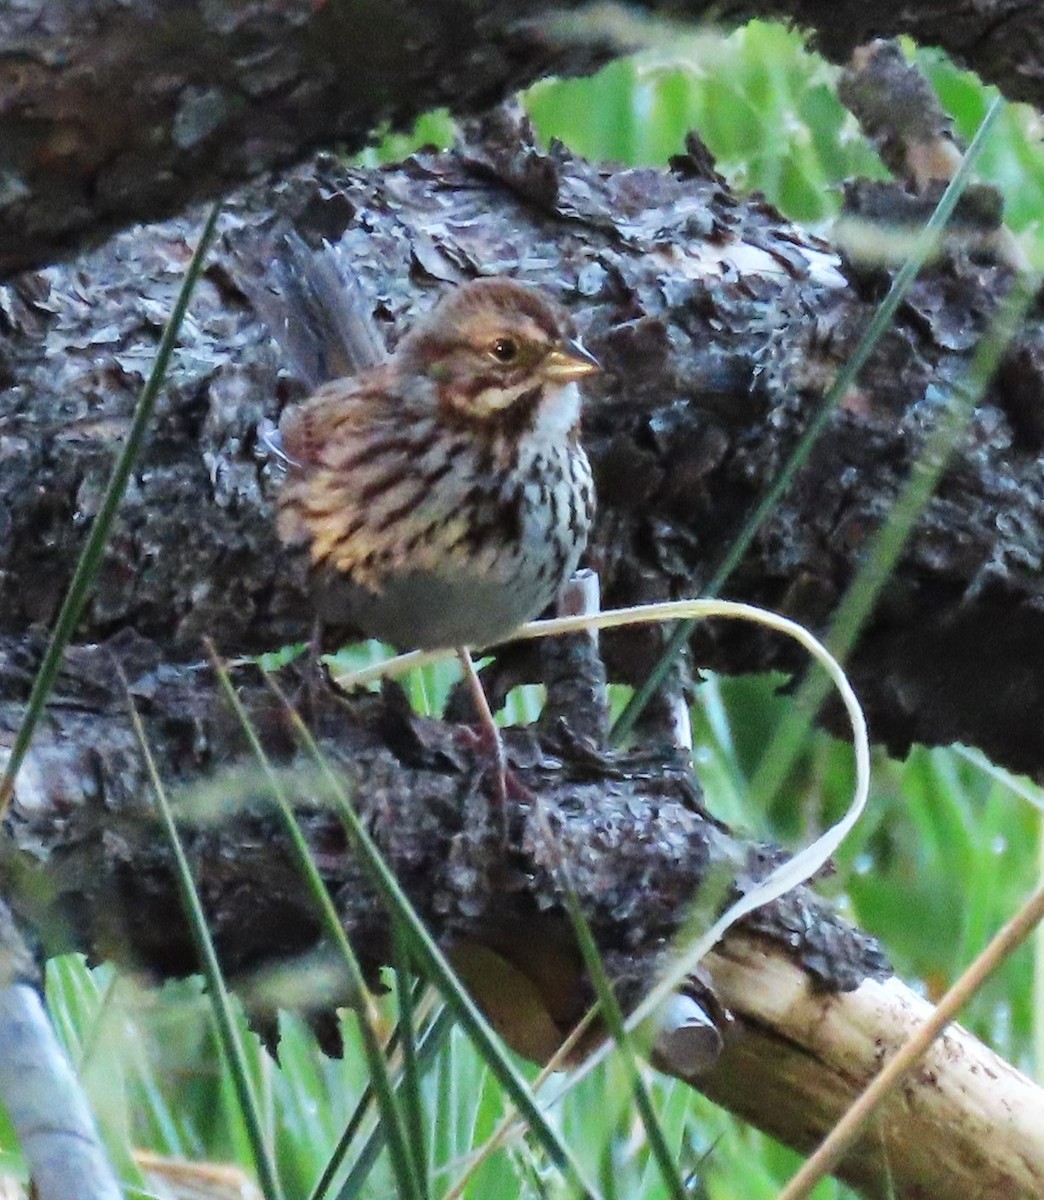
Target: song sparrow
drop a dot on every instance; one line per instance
(444, 497)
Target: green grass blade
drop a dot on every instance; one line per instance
(391, 1115)
(613, 1017)
(91, 555)
(433, 963)
(228, 1036)
(428, 1046)
(336, 1160)
(413, 1101)
(888, 543)
(923, 247)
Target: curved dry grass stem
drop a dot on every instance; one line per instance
(803, 865)
(847, 1129)
(512, 1122)
(779, 881)
(806, 862)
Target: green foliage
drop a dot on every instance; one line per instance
(943, 856)
(432, 129)
(764, 107)
(1013, 161)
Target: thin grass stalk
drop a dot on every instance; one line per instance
(91, 554)
(428, 1046)
(89, 1042)
(433, 962)
(391, 1114)
(411, 1079)
(782, 878)
(924, 246)
(833, 1147)
(613, 1017)
(228, 1036)
(1037, 1031)
(888, 543)
(511, 1118)
(607, 1169)
(365, 1102)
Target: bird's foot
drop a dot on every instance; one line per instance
(316, 683)
(507, 786)
(507, 791)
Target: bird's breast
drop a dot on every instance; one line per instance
(442, 540)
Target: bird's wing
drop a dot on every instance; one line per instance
(317, 432)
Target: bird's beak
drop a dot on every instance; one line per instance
(571, 360)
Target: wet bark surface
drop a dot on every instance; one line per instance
(93, 871)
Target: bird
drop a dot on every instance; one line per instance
(443, 497)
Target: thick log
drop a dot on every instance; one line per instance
(115, 113)
(720, 326)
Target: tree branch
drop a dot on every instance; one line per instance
(111, 114)
(817, 1051)
(101, 878)
(162, 104)
(39, 1088)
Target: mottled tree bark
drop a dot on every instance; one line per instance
(112, 113)
(719, 326)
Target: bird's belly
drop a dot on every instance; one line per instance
(472, 590)
(421, 610)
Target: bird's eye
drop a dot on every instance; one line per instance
(504, 350)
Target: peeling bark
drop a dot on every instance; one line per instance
(422, 787)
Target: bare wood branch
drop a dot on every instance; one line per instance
(39, 1089)
(822, 1049)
